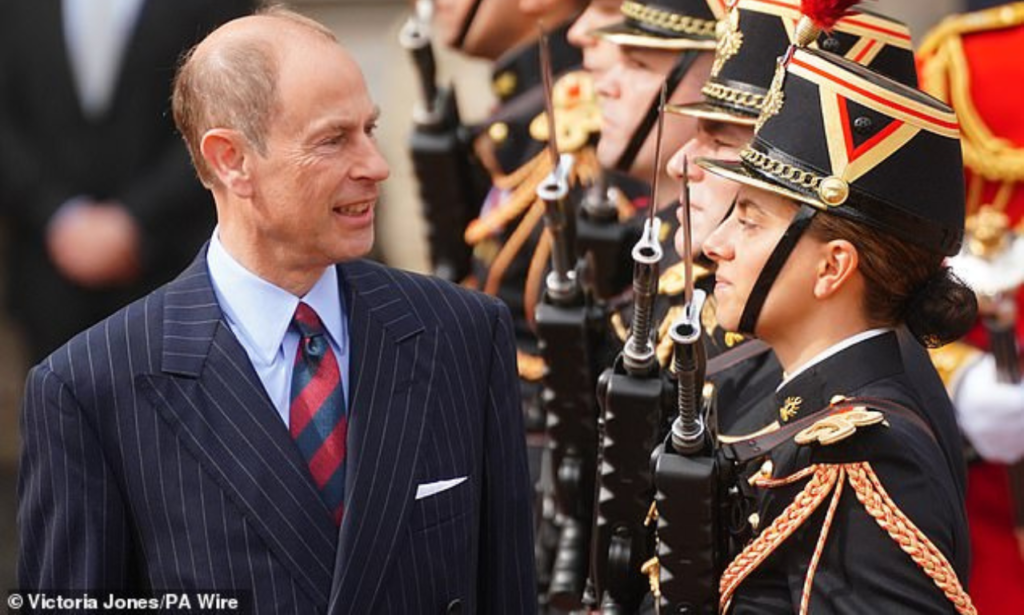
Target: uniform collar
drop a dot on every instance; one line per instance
(261, 312)
(842, 369)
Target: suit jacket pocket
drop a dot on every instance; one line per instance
(440, 507)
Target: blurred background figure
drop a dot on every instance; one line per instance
(972, 62)
(96, 189)
(101, 201)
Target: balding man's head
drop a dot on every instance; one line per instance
(229, 80)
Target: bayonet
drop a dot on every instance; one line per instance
(561, 282)
(684, 202)
(415, 37)
(547, 79)
(638, 356)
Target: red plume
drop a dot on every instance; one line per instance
(825, 13)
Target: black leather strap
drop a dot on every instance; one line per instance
(760, 446)
(735, 356)
(771, 269)
(672, 80)
(466, 24)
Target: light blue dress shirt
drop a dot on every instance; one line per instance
(259, 314)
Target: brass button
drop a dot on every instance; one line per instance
(498, 132)
(505, 84)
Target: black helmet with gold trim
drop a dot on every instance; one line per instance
(841, 139)
(754, 32)
(665, 24)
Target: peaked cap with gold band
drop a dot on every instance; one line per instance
(756, 31)
(839, 138)
(665, 24)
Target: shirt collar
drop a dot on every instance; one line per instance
(831, 350)
(260, 311)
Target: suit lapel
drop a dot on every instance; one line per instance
(392, 363)
(210, 395)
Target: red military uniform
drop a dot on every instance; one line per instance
(973, 62)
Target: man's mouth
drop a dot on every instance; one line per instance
(356, 209)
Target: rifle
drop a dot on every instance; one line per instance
(452, 183)
(568, 331)
(689, 475)
(603, 242)
(630, 394)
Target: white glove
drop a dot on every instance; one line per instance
(991, 413)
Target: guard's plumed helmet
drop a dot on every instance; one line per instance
(755, 32)
(844, 140)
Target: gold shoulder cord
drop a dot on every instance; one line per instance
(946, 75)
(831, 478)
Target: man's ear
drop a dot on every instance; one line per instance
(225, 152)
(839, 263)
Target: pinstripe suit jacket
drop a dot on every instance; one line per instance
(154, 460)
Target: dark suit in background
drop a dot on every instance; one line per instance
(50, 152)
(155, 460)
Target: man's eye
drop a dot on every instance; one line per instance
(371, 130)
(335, 139)
(746, 223)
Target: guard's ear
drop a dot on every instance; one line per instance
(226, 152)
(838, 264)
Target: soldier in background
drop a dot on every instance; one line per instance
(508, 35)
(598, 54)
(972, 62)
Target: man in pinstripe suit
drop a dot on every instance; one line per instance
(160, 447)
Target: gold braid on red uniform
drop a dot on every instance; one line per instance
(945, 74)
(830, 478)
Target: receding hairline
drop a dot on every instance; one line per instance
(266, 29)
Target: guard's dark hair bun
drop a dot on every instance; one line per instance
(942, 310)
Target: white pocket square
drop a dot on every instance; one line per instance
(428, 489)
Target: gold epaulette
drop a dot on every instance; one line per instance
(673, 280)
(945, 74)
(949, 359)
(838, 426)
(577, 114)
(830, 479)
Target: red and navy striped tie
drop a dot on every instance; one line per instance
(318, 421)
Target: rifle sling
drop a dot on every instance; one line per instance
(752, 448)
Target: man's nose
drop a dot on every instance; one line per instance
(372, 166)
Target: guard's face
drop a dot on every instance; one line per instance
(599, 55)
(740, 247)
(710, 194)
(626, 92)
(315, 190)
